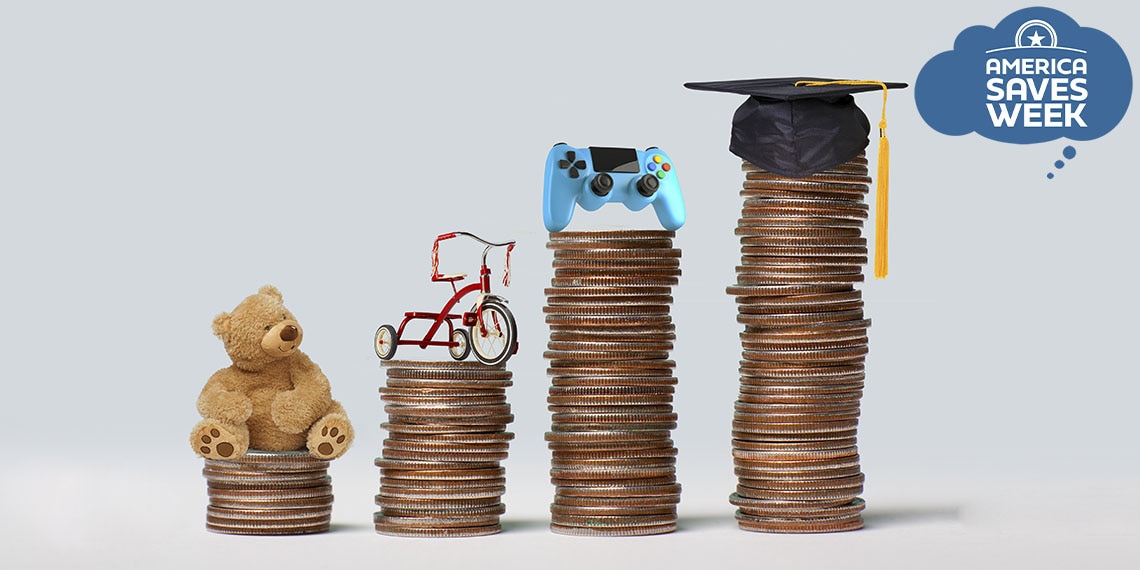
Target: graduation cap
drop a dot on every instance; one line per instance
(798, 126)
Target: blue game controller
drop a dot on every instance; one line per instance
(593, 176)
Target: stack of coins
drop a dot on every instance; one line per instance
(269, 492)
(804, 344)
(612, 387)
(439, 473)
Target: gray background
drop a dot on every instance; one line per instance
(160, 161)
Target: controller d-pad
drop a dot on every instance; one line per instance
(569, 163)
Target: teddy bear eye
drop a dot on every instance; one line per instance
(267, 327)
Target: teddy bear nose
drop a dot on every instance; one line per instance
(289, 333)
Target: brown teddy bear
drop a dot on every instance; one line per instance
(273, 398)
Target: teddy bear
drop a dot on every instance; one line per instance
(273, 397)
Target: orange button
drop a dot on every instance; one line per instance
(666, 167)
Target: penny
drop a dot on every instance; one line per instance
(431, 429)
(740, 290)
(268, 530)
(620, 453)
(614, 281)
(437, 504)
(618, 502)
(648, 264)
(446, 513)
(470, 438)
(798, 446)
(417, 532)
(609, 400)
(277, 514)
(446, 446)
(807, 483)
(494, 491)
(630, 344)
(639, 301)
(600, 436)
(627, 491)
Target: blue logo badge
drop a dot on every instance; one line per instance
(1038, 76)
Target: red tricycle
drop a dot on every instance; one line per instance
(490, 325)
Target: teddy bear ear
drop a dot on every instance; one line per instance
(221, 325)
(271, 291)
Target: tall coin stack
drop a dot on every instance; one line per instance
(804, 344)
(614, 463)
(268, 492)
(440, 474)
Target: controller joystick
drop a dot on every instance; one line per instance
(602, 184)
(594, 176)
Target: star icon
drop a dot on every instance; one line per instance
(1036, 39)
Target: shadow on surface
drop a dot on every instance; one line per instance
(515, 525)
(902, 516)
(702, 522)
(351, 527)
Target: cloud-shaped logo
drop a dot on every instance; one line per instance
(1038, 76)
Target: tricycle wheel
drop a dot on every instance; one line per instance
(462, 345)
(494, 335)
(386, 342)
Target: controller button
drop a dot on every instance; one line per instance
(647, 185)
(602, 184)
(651, 166)
(573, 165)
(661, 174)
(657, 158)
(666, 167)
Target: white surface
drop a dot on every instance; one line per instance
(152, 515)
(160, 161)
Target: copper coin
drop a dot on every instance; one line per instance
(754, 435)
(412, 465)
(498, 509)
(640, 530)
(633, 345)
(620, 502)
(434, 521)
(638, 265)
(601, 310)
(415, 532)
(267, 530)
(739, 290)
(615, 281)
(284, 504)
(763, 478)
(610, 409)
(845, 483)
(617, 417)
(616, 292)
(444, 474)
(436, 504)
(269, 495)
(800, 526)
(626, 491)
(751, 187)
(802, 446)
(595, 522)
(465, 493)
(447, 365)
(607, 436)
(561, 454)
(794, 509)
(446, 446)
(612, 511)
(464, 438)
(609, 400)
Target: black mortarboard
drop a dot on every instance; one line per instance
(797, 126)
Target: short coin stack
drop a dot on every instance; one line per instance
(804, 345)
(440, 474)
(614, 463)
(269, 492)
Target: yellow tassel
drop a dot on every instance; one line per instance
(881, 196)
(881, 192)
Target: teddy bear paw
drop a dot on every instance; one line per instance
(330, 437)
(213, 440)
